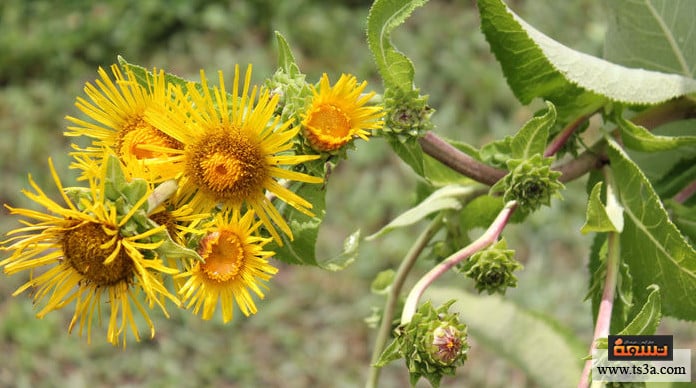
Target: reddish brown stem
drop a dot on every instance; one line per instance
(562, 138)
(686, 193)
(455, 159)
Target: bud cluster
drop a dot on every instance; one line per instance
(530, 182)
(407, 113)
(492, 269)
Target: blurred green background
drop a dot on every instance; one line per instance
(310, 329)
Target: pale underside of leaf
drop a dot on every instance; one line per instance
(448, 197)
(616, 82)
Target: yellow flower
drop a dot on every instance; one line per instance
(235, 264)
(117, 110)
(337, 114)
(234, 151)
(83, 257)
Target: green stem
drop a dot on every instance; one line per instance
(390, 305)
(486, 239)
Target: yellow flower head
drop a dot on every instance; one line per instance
(235, 264)
(87, 260)
(337, 114)
(234, 150)
(117, 110)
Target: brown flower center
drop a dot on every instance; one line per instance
(135, 136)
(87, 246)
(228, 165)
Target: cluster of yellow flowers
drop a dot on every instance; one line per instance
(200, 170)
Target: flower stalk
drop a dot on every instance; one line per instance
(484, 241)
(393, 296)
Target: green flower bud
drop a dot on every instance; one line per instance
(294, 94)
(492, 269)
(433, 344)
(407, 113)
(530, 182)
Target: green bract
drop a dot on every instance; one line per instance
(294, 93)
(531, 183)
(407, 113)
(492, 269)
(433, 344)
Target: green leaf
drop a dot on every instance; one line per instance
(685, 218)
(144, 77)
(305, 229)
(347, 255)
(677, 178)
(599, 218)
(394, 67)
(638, 138)
(410, 152)
(383, 282)
(651, 244)
(652, 34)
(286, 60)
(658, 165)
(648, 318)
(526, 339)
(531, 138)
(448, 197)
(480, 212)
(537, 66)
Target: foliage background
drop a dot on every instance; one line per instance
(310, 329)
